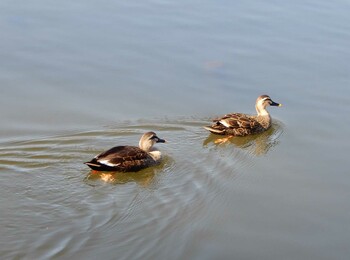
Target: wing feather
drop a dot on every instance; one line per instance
(237, 124)
(124, 158)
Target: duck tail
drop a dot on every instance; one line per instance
(93, 164)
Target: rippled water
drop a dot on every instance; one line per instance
(78, 78)
(69, 207)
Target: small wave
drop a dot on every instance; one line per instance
(143, 208)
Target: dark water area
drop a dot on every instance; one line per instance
(78, 78)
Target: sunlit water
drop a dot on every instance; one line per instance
(78, 78)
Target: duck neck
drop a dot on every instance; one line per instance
(263, 117)
(262, 111)
(145, 146)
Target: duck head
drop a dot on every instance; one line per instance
(148, 140)
(262, 103)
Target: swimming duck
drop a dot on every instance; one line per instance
(129, 158)
(238, 124)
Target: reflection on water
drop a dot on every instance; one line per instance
(142, 179)
(258, 144)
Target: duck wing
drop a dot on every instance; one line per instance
(121, 158)
(236, 124)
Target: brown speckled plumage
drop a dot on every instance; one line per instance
(127, 158)
(238, 124)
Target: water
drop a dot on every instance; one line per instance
(78, 78)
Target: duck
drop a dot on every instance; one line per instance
(239, 124)
(129, 158)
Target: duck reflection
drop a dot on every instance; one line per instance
(143, 178)
(258, 144)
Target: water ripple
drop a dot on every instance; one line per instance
(143, 208)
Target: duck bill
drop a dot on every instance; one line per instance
(275, 104)
(161, 140)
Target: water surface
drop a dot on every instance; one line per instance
(78, 78)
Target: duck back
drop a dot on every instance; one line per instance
(121, 158)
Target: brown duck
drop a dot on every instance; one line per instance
(129, 158)
(238, 124)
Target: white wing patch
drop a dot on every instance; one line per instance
(225, 123)
(108, 163)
